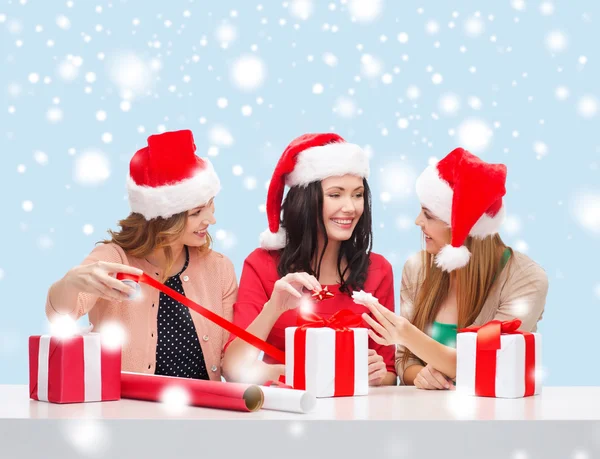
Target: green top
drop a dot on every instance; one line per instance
(446, 333)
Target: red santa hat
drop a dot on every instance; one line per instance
(166, 177)
(309, 158)
(466, 193)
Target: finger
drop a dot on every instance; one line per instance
(374, 358)
(120, 268)
(423, 383)
(114, 293)
(419, 382)
(376, 366)
(105, 292)
(439, 377)
(313, 280)
(375, 325)
(291, 290)
(389, 315)
(377, 375)
(431, 380)
(372, 352)
(378, 315)
(378, 339)
(302, 279)
(116, 284)
(314, 283)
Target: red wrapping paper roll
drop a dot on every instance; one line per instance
(209, 394)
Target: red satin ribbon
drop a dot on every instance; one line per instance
(488, 343)
(217, 319)
(341, 322)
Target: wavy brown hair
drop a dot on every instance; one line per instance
(473, 284)
(139, 237)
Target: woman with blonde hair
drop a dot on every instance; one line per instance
(171, 195)
(465, 276)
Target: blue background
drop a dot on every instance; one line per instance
(553, 198)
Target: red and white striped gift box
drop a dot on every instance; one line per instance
(74, 369)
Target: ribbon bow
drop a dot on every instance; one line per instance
(488, 335)
(342, 320)
(323, 294)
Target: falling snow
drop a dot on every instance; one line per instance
(83, 91)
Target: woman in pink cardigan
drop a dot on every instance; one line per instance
(171, 195)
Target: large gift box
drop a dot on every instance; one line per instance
(328, 357)
(498, 360)
(77, 368)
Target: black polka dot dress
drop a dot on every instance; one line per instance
(178, 351)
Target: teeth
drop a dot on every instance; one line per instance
(343, 222)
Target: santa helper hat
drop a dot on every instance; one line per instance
(167, 178)
(466, 193)
(309, 158)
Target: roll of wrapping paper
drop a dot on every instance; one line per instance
(208, 394)
(258, 343)
(284, 399)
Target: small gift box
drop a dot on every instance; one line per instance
(328, 357)
(73, 369)
(498, 360)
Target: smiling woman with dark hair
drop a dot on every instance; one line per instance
(319, 238)
(303, 253)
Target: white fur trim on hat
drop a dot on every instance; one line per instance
(451, 258)
(435, 194)
(273, 241)
(488, 225)
(168, 200)
(331, 160)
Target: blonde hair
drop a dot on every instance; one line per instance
(140, 237)
(473, 284)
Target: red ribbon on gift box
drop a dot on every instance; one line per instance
(342, 322)
(488, 343)
(62, 370)
(217, 319)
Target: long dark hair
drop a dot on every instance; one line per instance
(302, 207)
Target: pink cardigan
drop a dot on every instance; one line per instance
(208, 280)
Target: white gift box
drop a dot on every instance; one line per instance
(510, 365)
(320, 360)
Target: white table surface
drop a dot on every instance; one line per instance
(384, 403)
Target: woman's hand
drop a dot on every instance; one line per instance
(431, 379)
(377, 369)
(287, 291)
(98, 279)
(388, 328)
